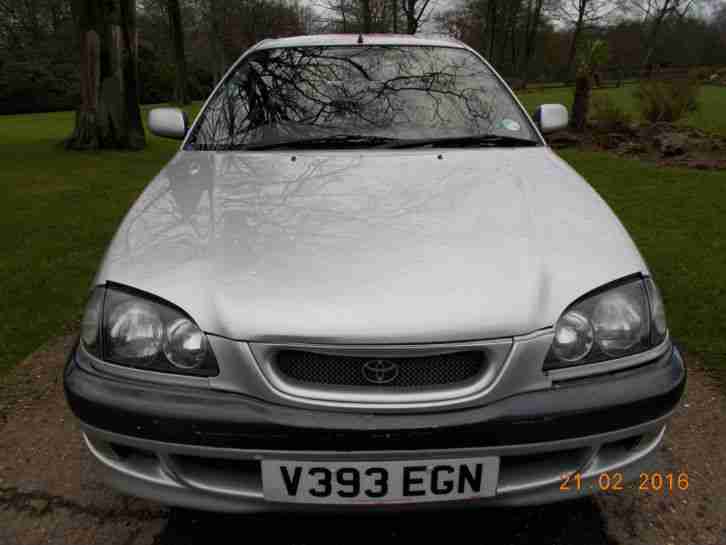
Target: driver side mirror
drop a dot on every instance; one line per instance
(168, 122)
(551, 117)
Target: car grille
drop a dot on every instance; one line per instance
(401, 373)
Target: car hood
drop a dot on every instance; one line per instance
(370, 247)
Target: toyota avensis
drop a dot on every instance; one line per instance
(366, 282)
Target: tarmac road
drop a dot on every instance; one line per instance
(50, 491)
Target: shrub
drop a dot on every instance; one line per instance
(718, 77)
(38, 86)
(667, 101)
(701, 74)
(608, 115)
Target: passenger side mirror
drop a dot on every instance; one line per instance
(551, 117)
(168, 123)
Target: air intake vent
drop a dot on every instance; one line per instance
(398, 373)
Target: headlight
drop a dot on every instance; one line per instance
(186, 344)
(90, 324)
(133, 333)
(657, 313)
(622, 320)
(129, 328)
(573, 337)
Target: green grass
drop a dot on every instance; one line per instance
(710, 116)
(59, 209)
(677, 217)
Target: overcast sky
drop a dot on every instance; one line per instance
(703, 8)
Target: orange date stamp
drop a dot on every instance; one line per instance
(614, 482)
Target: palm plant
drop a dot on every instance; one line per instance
(592, 58)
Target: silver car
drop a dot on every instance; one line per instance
(365, 282)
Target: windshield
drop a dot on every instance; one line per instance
(361, 96)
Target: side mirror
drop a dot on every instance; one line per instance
(551, 117)
(168, 122)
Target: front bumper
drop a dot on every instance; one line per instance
(202, 449)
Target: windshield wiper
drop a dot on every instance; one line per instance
(480, 140)
(337, 140)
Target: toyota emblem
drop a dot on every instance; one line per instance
(380, 371)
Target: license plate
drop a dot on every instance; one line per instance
(341, 482)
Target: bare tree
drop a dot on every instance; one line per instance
(509, 39)
(580, 14)
(365, 15)
(416, 11)
(343, 17)
(514, 26)
(359, 15)
(491, 23)
(308, 19)
(654, 13)
(109, 115)
(216, 37)
(719, 24)
(534, 18)
(181, 96)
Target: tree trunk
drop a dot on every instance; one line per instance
(503, 36)
(342, 16)
(492, 23)
(510, 34)
(576, 38)
(395, 16)
(216, 16)
(55, 17)
(129, 61)
(33, 21)
(411, 23)
(581, 103)
(514, 46)
(653, 38)
(573, 52)
(533, 22)
(177, 35)
(365, 6)
(109, 115)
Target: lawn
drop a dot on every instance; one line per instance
(677, 217)
(711, 114)
(58, 210)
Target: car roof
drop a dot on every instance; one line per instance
(353, 39)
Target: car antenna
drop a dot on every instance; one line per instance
(360, 38)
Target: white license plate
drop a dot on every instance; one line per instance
(342, 482)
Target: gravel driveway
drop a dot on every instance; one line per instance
(50, 491)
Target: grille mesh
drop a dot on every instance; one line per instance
(424, 372)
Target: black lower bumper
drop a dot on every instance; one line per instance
(184, 415)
